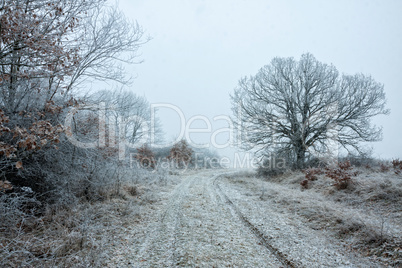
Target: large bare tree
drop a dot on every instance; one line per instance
(302, 107)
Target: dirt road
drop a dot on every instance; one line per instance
(198, 228)
(206, 221)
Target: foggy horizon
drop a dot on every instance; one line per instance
(199, 50)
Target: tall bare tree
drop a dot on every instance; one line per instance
(302, 107)
(133, 111)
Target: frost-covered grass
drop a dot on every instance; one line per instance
(81, 234)
(367, 216)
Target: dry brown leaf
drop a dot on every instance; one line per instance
(18, 164)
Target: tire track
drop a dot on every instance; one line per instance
(264, 240)
(167, 229)
(177, 214)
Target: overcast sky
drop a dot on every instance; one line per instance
(201, 48)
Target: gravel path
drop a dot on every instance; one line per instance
(205, 221)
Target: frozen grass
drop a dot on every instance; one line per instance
(81, 234)
(366, 217)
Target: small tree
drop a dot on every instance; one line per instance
(181, 154)
(301, 107)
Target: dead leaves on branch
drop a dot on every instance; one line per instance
(342, 175)
(17, 140)
(35, 33)
(18, 165)
(311, 175)
(5, 186)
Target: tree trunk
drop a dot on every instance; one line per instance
(300, 155)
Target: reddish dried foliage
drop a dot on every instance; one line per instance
(35, 35)
(5, 186)
(311, 175)
(342, 175)
(17, 140)
(304, 184)
(384, 168)
(397, 164)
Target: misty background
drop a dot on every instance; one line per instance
(200, 49)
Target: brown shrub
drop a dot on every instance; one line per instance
(311, 173)
(181, 154)
(397, 164)
(384, 168)
(5, 186)
(145, 157)
(304, 184)
(342, 175)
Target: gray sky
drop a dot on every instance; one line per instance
(201, 48)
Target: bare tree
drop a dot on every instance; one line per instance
(134, 112)
(302, 107)
(107, 40)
